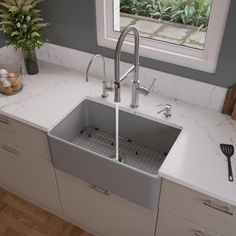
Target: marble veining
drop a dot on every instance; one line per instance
(184, 89)
(195, 160)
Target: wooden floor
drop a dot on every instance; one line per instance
(20, 218)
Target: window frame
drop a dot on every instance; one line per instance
(203, 60)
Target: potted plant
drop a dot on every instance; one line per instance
(23, 27)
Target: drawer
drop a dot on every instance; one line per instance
(29, 175)
(168, 225)
(101, 211)
(198, 208)
(25, 136)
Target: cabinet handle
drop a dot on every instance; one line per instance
(225, 210)
(100, 190)
(10, 149)
(4, 120)
(197, 233)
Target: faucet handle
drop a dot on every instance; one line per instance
(166, 110)
(151, 85)
(145, 91)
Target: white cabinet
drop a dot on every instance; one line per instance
(25, 136)
(198, 208)
(103, 212)
(170, 225)
(25, 163)
(29, 175)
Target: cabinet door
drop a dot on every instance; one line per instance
(198, 208)
(29, 175)
(103, 212)
(169, 225)
(24, 136)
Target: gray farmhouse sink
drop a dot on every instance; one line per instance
(83, 145)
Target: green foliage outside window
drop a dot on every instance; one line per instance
(191, 12)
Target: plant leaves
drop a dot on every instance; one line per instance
(14, 33)
(21, 23)
(3, 4)
(6, 22)
(35, 34)
(196, 12)
(189, 11)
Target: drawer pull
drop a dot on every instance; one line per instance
(100, 190)
(4, 120)
(197, 233)
(225, 210)
(10, 149)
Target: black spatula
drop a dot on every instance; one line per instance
(228, 150)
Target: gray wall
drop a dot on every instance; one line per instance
(73, 24)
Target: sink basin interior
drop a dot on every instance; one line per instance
(143, 143)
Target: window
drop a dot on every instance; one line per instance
(185, 40)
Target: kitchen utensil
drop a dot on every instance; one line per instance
(228, 150)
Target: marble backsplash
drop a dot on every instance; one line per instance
(176, 87)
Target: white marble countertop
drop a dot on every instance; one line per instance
(194, 161)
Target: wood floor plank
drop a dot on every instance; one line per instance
(2, 194)
(76, 232)
(21, 218)
(2, 205)
(59, 227)
(2, 227)
(29, 209)
(32, 232)
(85, 234)
(11, 232)
(20, 221)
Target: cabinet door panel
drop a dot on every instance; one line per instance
(169, 225)
(103, 212)
(25, 136)
(198, 208)
(28, 175)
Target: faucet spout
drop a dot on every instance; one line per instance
(106, 87)
(91, 62)
(135, 67)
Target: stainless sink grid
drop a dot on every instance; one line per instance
(131, 153)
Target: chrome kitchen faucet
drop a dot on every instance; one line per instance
(106, 87)
(136, 87)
